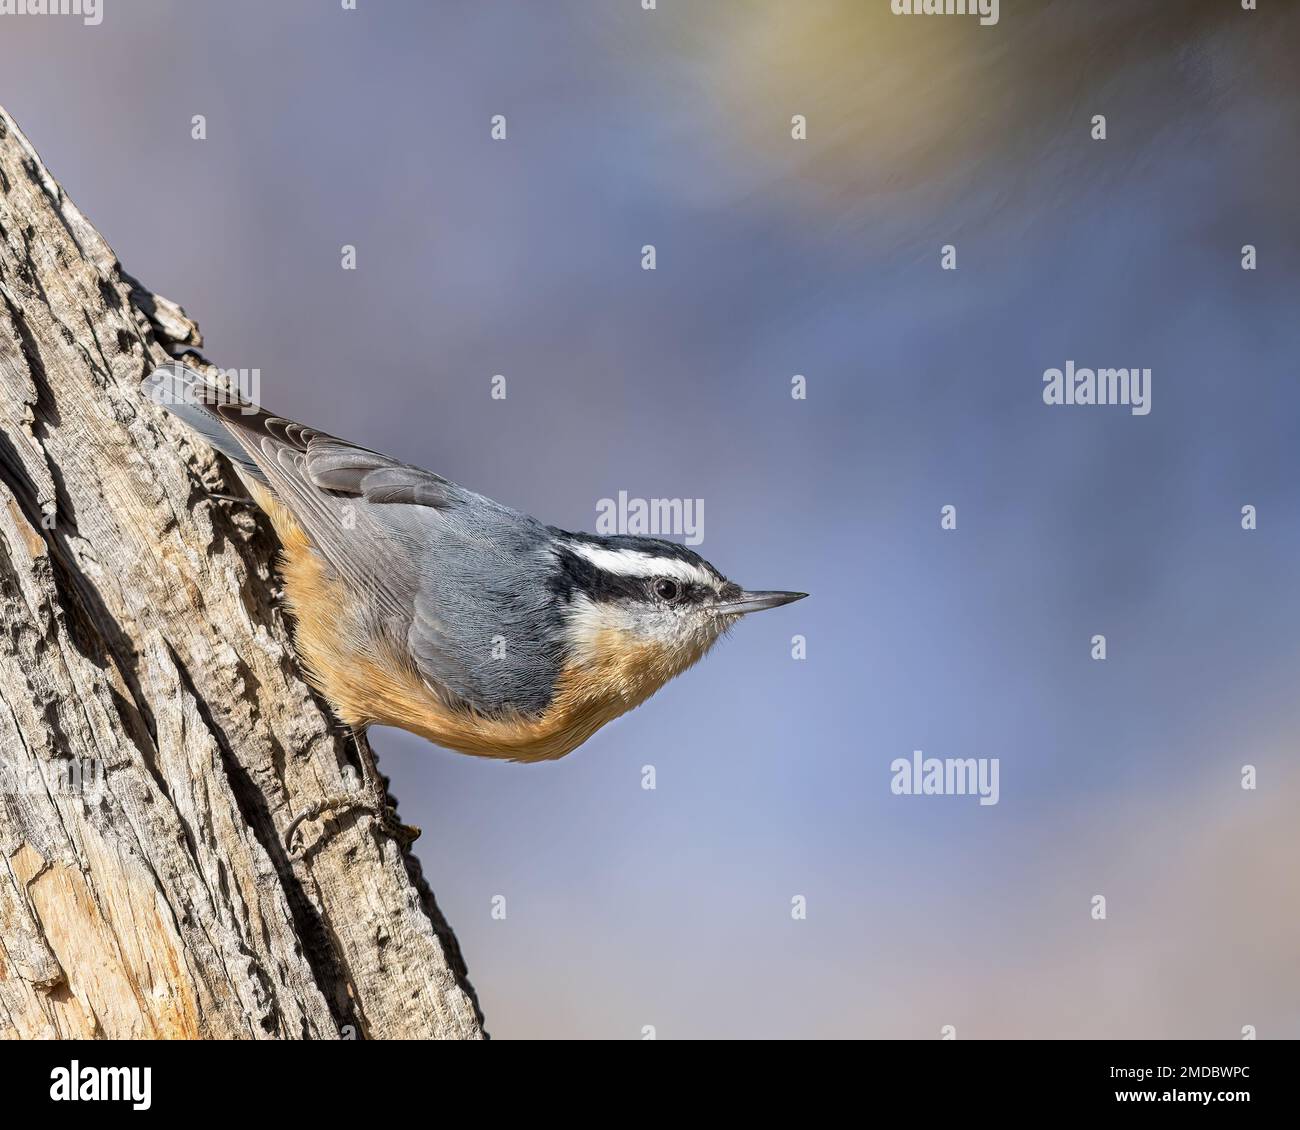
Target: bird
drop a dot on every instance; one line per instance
(421, 605)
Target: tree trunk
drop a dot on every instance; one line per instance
(156, 738)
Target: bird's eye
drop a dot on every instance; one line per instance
(667, 590)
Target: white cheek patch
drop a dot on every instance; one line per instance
(633, 563)
(588, 619)
(589, 623)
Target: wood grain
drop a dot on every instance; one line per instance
(156, 737)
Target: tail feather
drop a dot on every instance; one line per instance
(192, 398)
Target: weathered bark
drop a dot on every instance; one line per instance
(156, 737)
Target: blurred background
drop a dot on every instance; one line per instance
(671, 908)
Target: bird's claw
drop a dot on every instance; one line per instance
(404, 834)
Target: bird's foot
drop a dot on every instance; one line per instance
(370, 795)
(385, 818)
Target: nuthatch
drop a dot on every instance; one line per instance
(422, 605)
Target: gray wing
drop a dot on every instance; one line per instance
(483, 629)
(288, 457)
(462, 580)
(334, 489)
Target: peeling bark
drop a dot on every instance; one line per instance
(156, 737)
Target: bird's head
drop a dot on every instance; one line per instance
(645, 607)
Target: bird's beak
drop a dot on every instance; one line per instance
(757, 601)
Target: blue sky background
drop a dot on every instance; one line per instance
(672, 908)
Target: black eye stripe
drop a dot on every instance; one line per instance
(653, 547)
(578, 574)
(688, 592)
(575, 574)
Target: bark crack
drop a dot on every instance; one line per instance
(141, 635)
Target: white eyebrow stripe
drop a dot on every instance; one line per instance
(633, 563)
